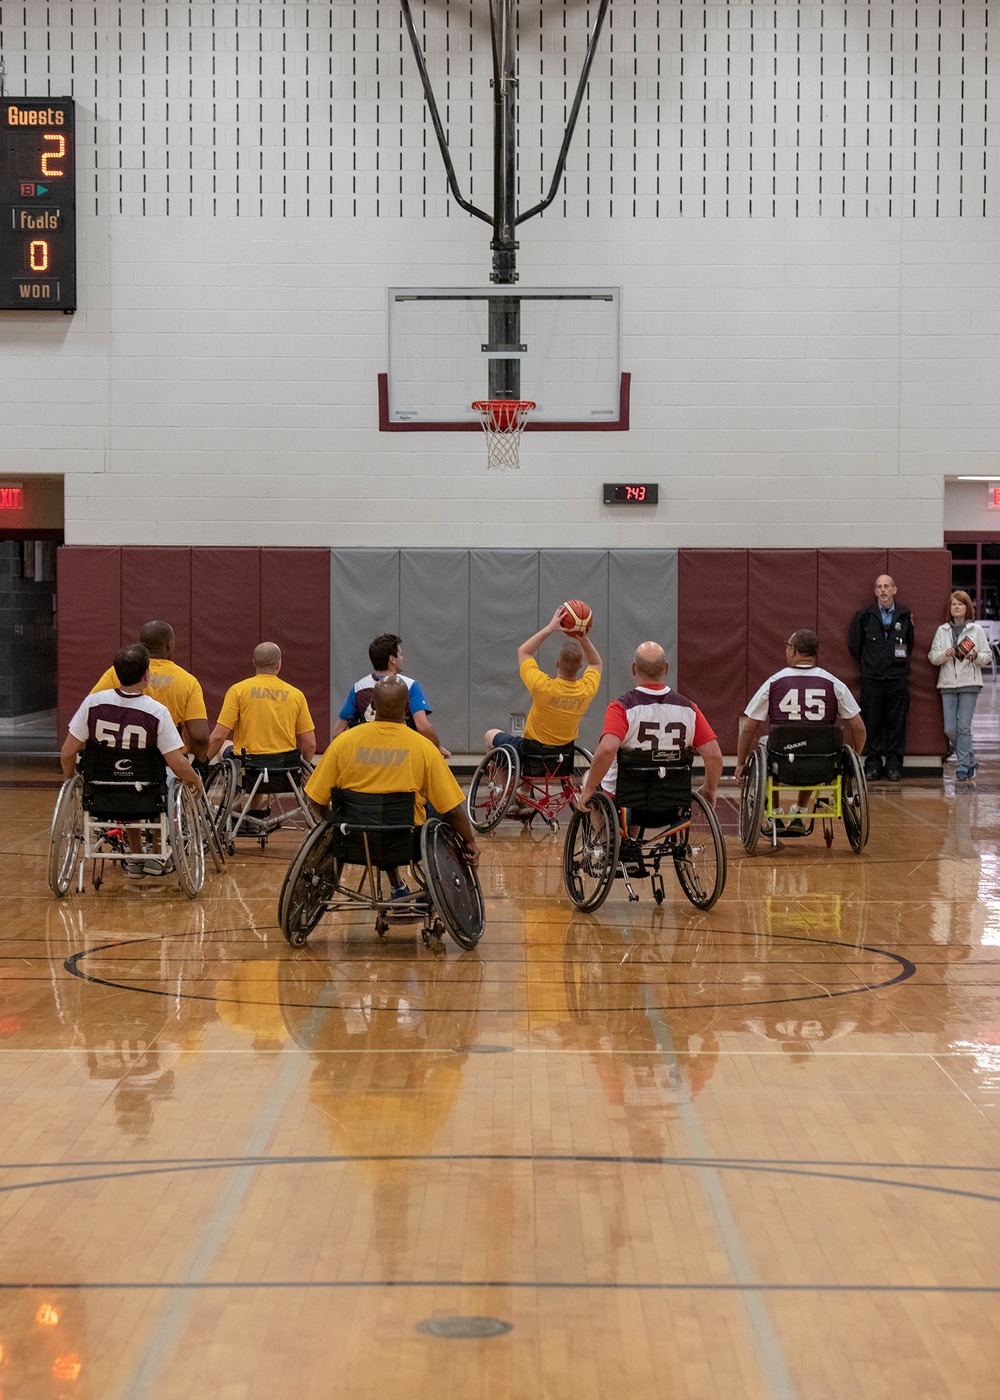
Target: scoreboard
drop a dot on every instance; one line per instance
(37, 204)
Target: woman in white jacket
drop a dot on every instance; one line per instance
(961, 650)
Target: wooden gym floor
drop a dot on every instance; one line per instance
(753, 1153)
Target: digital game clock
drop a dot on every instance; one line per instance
(37, 204)
(631, 493)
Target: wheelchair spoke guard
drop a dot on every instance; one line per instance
(453, 883)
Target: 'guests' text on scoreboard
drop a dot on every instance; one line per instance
(37, 204)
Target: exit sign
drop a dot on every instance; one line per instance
(12, 496)
(993, 499)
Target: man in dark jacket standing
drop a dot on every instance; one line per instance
(881, 640)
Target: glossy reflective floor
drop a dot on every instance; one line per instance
(753, 1153)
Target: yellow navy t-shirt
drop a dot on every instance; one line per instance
(557, 706)
(265, 714)
(168, 683)
(385, 757)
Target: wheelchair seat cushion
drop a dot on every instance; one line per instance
(803, 753)
(653, 784)
(546, 760)
(386, 818)
(123, 784)
(278, 769)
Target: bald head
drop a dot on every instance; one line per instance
(390, 698)
(158, 639)
(267, 658)
(650, 662)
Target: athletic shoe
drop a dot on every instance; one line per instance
(961, 777)
(873, 770)
(137, 869)
(894, 774)
(795, 828)
(972, 772)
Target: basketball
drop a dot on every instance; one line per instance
(576, 618)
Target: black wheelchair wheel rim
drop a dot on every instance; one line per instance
(701, 862)
(492, 788)
(590, 854)
(453, 883)
(309, 884)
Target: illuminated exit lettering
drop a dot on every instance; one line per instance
(11, 498)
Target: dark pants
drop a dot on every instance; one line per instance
(884, 706)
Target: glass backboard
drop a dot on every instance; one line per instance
(450, 347)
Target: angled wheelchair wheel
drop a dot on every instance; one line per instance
(187, 841)
(590, 853)
(492, 788)
(854, 801)
(309, 884)
(66, 835)
(220, 791)
(453, 883)
(701, 862)
(752, 800)
(582, 759)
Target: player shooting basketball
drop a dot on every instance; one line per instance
(559, 702)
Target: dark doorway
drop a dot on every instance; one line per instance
(28, 642)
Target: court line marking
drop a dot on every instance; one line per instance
(518, 1284)
(770, 1357)
(170, 1326)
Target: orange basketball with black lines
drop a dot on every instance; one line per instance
(576, 619)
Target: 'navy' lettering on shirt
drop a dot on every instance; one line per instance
(381, 758)
(261, 692)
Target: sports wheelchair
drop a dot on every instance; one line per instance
(540, 781)
(115, 792)
(375, 832)
(235, 783)
(610, 841)
(804, 758)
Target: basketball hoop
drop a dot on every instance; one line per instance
(503, 423)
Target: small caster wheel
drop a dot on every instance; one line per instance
(658, 896)
(230, 848)
(553, 825)
(298, 937)
(381, 927)
(828, 833)
(98, 881)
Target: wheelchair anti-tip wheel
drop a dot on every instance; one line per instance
(187, 840)
(854, 801)
(701, 862)
(452, 882)
(752, 800)
(492, 788)
(309, 884)
(590, 853)
(66, 835)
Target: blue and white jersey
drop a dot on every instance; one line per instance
(359, 706)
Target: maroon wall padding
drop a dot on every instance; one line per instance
(225, 619)
(295, 613)
(712, 636)
(781, 597)
(156, 587)
(846, 583)
(923, 583)
(88, 619)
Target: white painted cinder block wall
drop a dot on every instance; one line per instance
(811, 353)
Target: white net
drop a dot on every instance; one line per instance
(503, 423)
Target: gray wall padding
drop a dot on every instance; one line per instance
(463, 613)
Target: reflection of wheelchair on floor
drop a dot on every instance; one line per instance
(114, 793)
(237, 785)
(540, 781)
(375, 832)
(655, 816)
(803, 758)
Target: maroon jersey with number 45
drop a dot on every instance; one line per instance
(803, 694)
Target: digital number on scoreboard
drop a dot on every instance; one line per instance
(37, 204)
